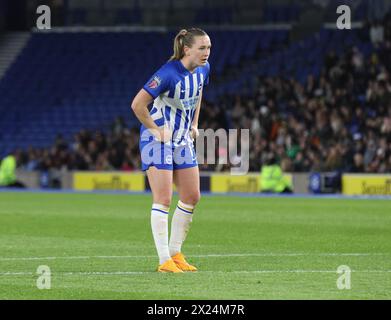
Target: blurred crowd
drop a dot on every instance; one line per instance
(340, 121)
(89, 150)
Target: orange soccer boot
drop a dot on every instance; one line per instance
(182, 264)
(169, 267)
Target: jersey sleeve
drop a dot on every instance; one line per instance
(158, 83)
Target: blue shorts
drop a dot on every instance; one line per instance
(165, 155)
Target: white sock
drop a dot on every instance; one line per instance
(180, 226)
(159, 224)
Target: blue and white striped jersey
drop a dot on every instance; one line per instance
(176, 92)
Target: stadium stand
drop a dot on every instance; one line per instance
(321, 103)
(281, 13)
(63, 82)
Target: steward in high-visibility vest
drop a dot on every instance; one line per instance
(7, 171)
(273, 180)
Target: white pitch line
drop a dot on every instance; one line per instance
(196, 256)
(126, 273)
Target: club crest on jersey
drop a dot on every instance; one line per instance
(154, 83)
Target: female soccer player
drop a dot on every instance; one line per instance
(166, 142)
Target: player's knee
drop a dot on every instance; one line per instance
(164, 200)
(193, 198)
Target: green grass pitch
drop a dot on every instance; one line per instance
(99, 246)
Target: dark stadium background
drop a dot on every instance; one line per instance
(315, 98)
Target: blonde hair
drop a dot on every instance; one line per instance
(185, 38)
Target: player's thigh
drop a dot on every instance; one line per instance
(187, 182)
(160, 182)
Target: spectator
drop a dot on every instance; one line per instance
(272, 179)
(8, 171)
